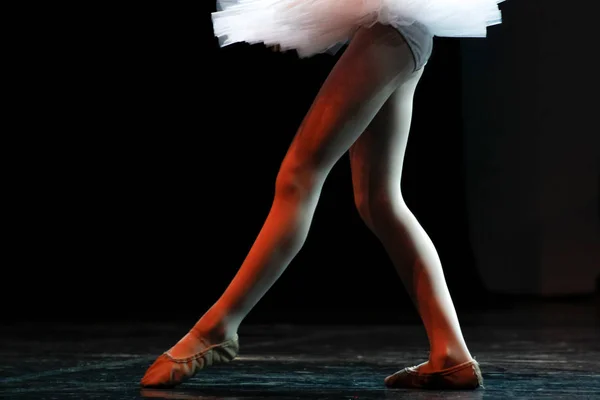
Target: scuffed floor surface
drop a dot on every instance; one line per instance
(527, 355)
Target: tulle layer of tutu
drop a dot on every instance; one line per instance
(315, 26)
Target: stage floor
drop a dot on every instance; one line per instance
(536, 352)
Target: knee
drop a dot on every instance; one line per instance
(378, 207)
(297, 180)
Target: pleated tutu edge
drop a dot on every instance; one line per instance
(316, 26)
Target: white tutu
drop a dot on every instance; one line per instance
(315, 26)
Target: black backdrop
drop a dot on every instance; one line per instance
(152, 170)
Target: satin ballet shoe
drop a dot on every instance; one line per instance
(168, 371)
(465, 376)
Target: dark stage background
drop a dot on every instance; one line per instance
(151, 160)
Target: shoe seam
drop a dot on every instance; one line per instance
(202, 353)
(446, 371)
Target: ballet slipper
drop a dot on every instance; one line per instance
(463, 376)
(168, 371)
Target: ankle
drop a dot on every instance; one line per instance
(214, 331)
(447, 358)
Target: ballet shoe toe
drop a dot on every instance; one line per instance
(161, 374)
